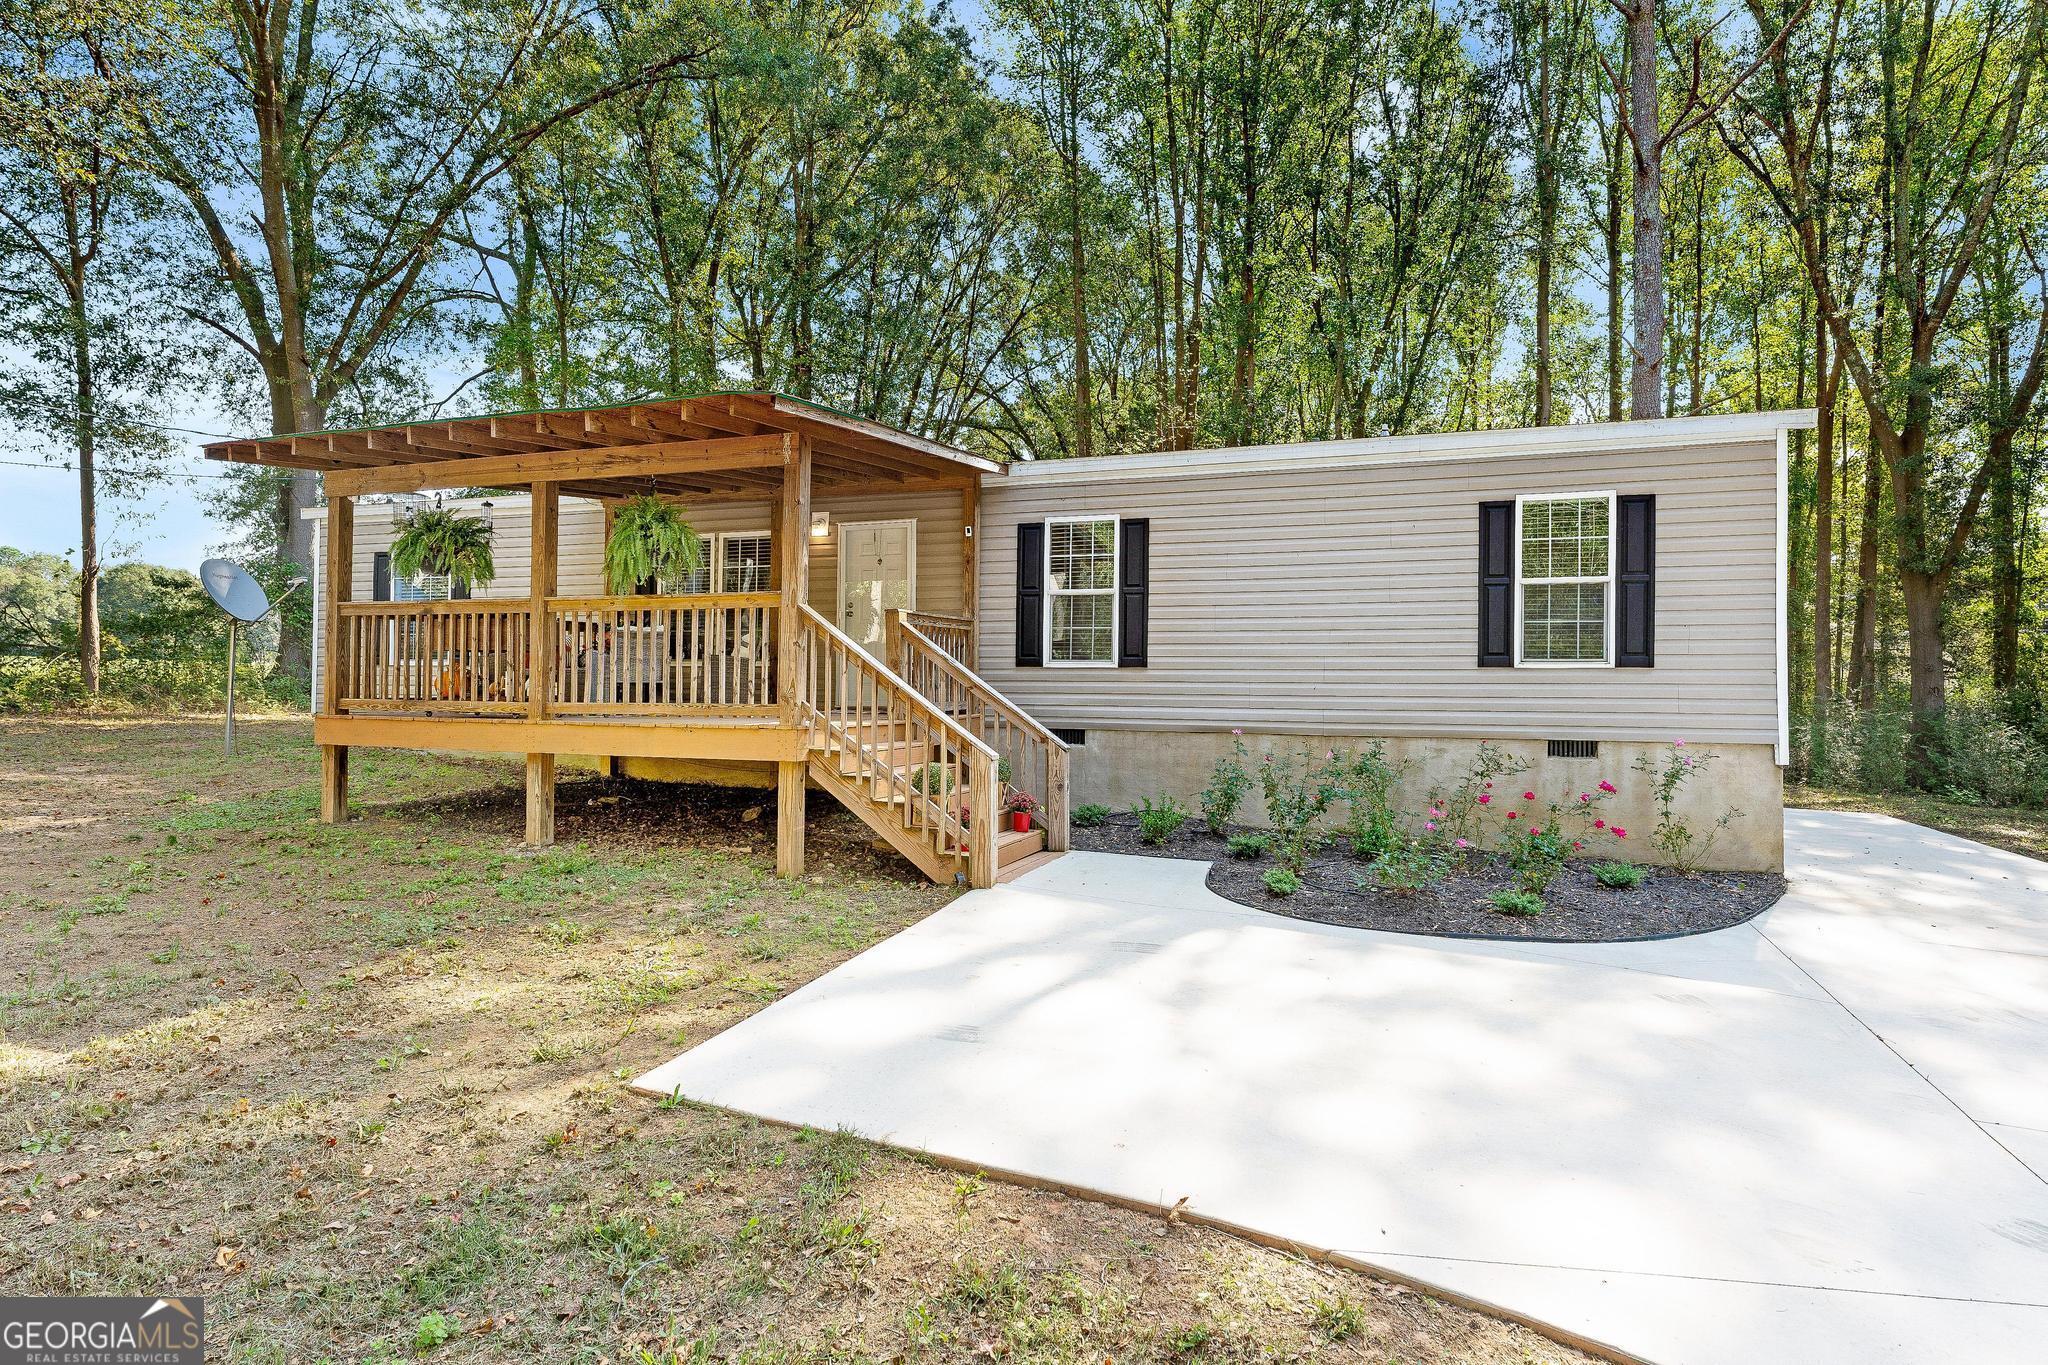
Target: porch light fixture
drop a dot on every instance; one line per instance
(821, 525)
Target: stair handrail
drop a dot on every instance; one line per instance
(981, 833)
(1054, 807)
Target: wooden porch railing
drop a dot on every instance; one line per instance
(953, 634)
(910, 770)
(707, 654)
(1036, 758)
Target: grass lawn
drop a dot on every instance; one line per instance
(364, 1088)
(2022, 831)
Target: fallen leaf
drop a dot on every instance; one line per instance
(48, 1218)
(65, 1182)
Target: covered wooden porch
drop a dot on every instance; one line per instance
(757, 675)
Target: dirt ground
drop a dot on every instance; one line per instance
(363, 1087)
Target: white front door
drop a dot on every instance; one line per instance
(877, 575)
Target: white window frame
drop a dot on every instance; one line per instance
(1521, 581)
(1116, 570)
(415, 582)
(714, 558)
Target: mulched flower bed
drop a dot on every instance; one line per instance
(1577, 909)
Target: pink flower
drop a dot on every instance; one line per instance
(1429, 825)
(1576, 845)
(1607, 787)
(1236, 731)
(1484, 798)
(1585, 797)
(1489, 786)
(1528, 796)
(1678, 744)
(1599, 824)
(1436, 813)
(1620, 833)
(1535, 829)
(1687, 760)
(1464, 843)
(1512, 814)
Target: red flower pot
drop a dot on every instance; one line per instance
(1020, 821)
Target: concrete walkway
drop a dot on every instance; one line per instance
(1819, 1137)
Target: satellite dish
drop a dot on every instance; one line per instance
(233, 591)
(245, 602)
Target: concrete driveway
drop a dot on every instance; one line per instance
(1821, 1136)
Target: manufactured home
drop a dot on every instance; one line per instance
(916, 629)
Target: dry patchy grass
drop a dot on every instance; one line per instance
(364, 1088)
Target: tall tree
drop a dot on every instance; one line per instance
(322, 153)
(1941, 115)
(87, 352)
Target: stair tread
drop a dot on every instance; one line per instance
(1023, 865)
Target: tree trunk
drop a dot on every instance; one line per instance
(1825, 377)
(88, 492)
(1546, 249)
(1616, 161)
(1927, 683)
(1863, 643)
(1646, 374)
(2005, 564)
(1084, 398)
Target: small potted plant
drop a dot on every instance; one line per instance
(1022, 806)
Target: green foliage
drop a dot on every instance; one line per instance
(1410, 867)
(1160, 820)
(1517, 902)
(1249, 846)
(1282, 881)
(931, 779)
(1686, 848)
(1457, 813)
(650, 539)
(1299, 789)
(1227, 787)
(1618, 876)
(1374, 827)
(439, 540)
(1089, 816)
(433, 1330)
(29, 686)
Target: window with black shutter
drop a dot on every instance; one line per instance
(1134, 591)
(1497, 584)
(1635, 607)
(1030, 594)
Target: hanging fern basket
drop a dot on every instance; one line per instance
(438, 541)
(650, 541)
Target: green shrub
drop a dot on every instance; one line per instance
(1537, 854)
(1374, 829)
(1618, 876)
(1281, 881)
(1249, 845)
(1299, 790)
(931, 779)
(1686, 848)
(1089, 816)
(34, 685)
(1161, 820)
(1227, 787)
(1454, 814)
(1517, 902)
(1409, 868)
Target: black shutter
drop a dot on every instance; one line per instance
(1133, 589)
(458, 589)
(1497, 584)
(1031, 594)
(380, 577)
(1635, 577)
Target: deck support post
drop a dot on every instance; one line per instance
(793, 577)
(337, 572)
(789, 818)
(540, 800)
(547, 528)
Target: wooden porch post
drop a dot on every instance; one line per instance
(540, 768)
(336, 587)
(970, 570)
(793, 557)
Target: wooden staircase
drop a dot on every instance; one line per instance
(921, 771)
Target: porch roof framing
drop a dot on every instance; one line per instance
(706, 446)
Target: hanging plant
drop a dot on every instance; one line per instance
(438, 541)
(650, 539)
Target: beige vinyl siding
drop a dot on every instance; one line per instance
(939, 540)
(580, 570)
(1345, 601)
